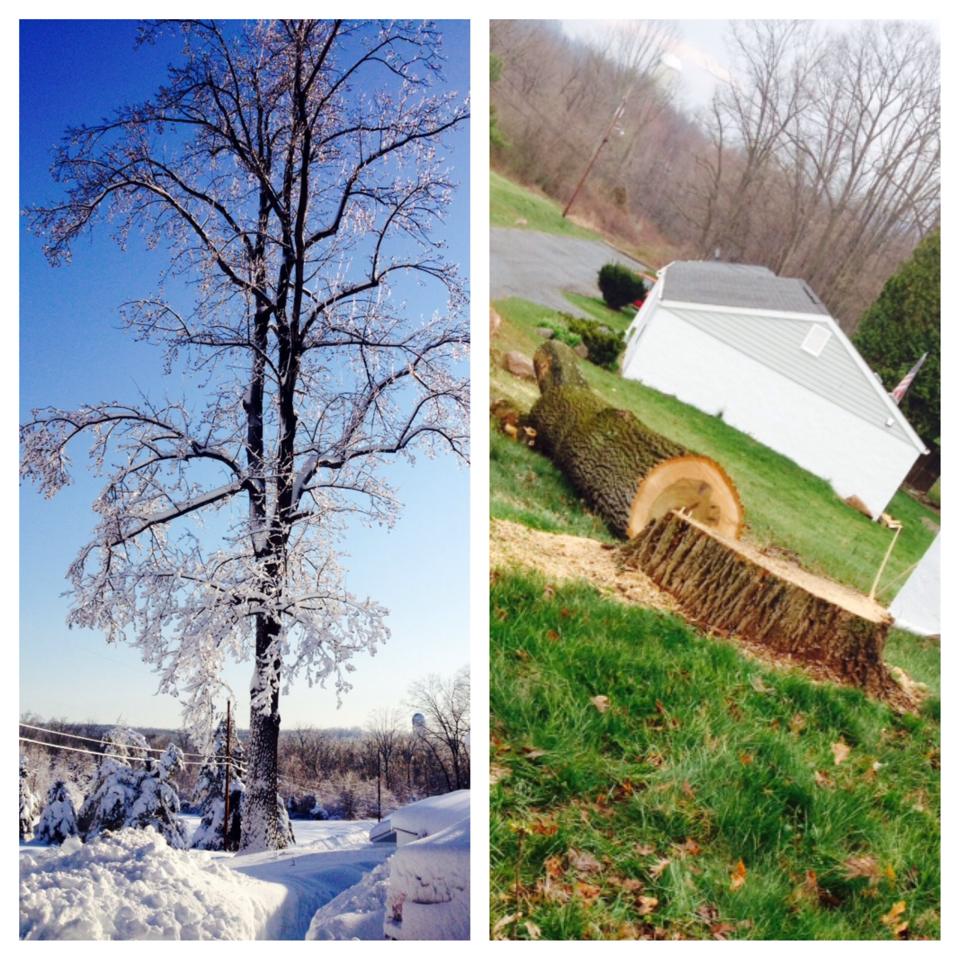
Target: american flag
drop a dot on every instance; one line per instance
(899, 391)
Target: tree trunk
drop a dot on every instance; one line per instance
(731, 588)
(264, 824)
(627, 473)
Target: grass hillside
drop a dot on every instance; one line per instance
(650, 782)
(509, 202)
(785, 505)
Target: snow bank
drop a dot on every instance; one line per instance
(132, 885)
(427, 816)
(429, 893)
(355, 914)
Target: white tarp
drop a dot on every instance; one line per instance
(917, 606)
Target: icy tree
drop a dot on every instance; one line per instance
(157, 804)
(294, 173)
(28, 803)
(209, 794)
(59, 818)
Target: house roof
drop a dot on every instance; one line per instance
(738, 285)
(772, 328)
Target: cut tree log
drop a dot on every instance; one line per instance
(626, 472)
(730, 587)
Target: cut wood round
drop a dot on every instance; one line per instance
(730, 587)
(626, 472)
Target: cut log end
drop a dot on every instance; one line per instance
(696, 486)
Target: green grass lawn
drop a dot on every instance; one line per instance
(509, 202)
(700, 796)
(784, 504)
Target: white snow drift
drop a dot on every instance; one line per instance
(131, 885)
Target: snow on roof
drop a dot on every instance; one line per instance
(737, 285)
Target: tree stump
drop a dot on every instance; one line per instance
(626, 472)
(732, 588)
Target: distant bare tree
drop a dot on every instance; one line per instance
(445, 705)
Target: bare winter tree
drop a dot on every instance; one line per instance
(445, 705)
(293, 172)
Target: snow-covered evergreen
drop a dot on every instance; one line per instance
(138, 793)
(209, 794)
(28, 803)
(157, 804)
(107, 807)
(59, 818)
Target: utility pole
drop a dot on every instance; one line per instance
(226, 789)
(617, 114)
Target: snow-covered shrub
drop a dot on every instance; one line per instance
(125, 796)
(209, 795)
(107, 807)
(59, 818)
(28, 803)
(157, 804)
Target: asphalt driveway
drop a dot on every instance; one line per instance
(542, 266)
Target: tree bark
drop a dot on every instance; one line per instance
(263, 824)
(627, 473)
(722, 588)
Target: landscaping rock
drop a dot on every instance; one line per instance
(519, 365)
(581, 351)
(546, 333)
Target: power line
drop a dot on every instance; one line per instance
(101, 740)
(116, 756)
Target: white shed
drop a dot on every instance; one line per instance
(917, 606)
(763, 352)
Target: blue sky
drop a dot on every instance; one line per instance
(72, 351)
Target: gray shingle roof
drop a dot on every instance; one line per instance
(737, 285)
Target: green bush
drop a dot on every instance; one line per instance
(603, 345)
(563, 333)
(619, 285)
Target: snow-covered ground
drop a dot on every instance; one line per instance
(333, 884)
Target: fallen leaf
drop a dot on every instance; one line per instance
(631, 885)
(521, 655)
(553, 636)
(892, 919)
(746, 759)
(549, 591)
(739, 876)
(543, 828)
(865, 867)
(720, 931)
(708, 912)
(644, 849)
(757, 683)
(822, 780)
(501, 614)
(583, 862)
(797, 722)
(533, 931)
(601, 702)
(532, 753)
(657, 869)
(554, 867)
(498, 773)
(646, 905)
(588, 892)
(840, 752)
(504, 922)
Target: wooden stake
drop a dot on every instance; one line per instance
(876, 579)
(226, 789)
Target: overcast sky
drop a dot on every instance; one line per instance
(701, 48)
